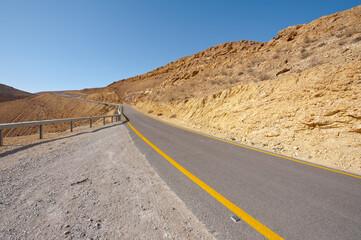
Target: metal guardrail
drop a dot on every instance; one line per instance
(3, 126)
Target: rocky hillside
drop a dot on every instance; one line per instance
(294, 50)
(8, 93)
(298, 94)
(47, 106)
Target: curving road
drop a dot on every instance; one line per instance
(291, 199)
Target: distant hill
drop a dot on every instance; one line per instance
(8, 93)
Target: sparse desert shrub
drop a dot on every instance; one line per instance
(342, 28)
(229, 66)
(224, 73)
(299, 26)
(173, 116)
(193, 84)
(213, 81)
(240, 73)
(254, 62)
(321, 44)
(307, 40)
(232, 81)
(351, 32)
(355, 40)
(264, 77)
(250, 70)
(339, 35)
(150, 111)
(304, 54)
(342, 42)
(315, 62)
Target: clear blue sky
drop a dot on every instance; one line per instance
(62, 45)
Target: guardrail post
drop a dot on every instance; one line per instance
(112, 119)
(91, 123)
(103, 121)
(71, 126)
(1, 138)
(41, 131)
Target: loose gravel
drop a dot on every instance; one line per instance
(90, 185)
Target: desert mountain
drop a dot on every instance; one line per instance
(296, 49)
(298, 94)
(8, 93)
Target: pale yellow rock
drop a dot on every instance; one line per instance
(232, 90)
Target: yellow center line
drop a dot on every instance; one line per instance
(268, 233)
(254, 149)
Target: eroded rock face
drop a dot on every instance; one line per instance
(298, 94)
(317, 115)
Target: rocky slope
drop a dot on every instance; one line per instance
(294, 50)
(298, 94)
(8, 93)
(47, 106)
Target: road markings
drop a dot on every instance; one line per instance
(268, 233)
(251, 148)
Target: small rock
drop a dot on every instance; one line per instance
(283, 71)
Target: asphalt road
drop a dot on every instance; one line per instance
(294, 200)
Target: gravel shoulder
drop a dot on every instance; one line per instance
(91, 185)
